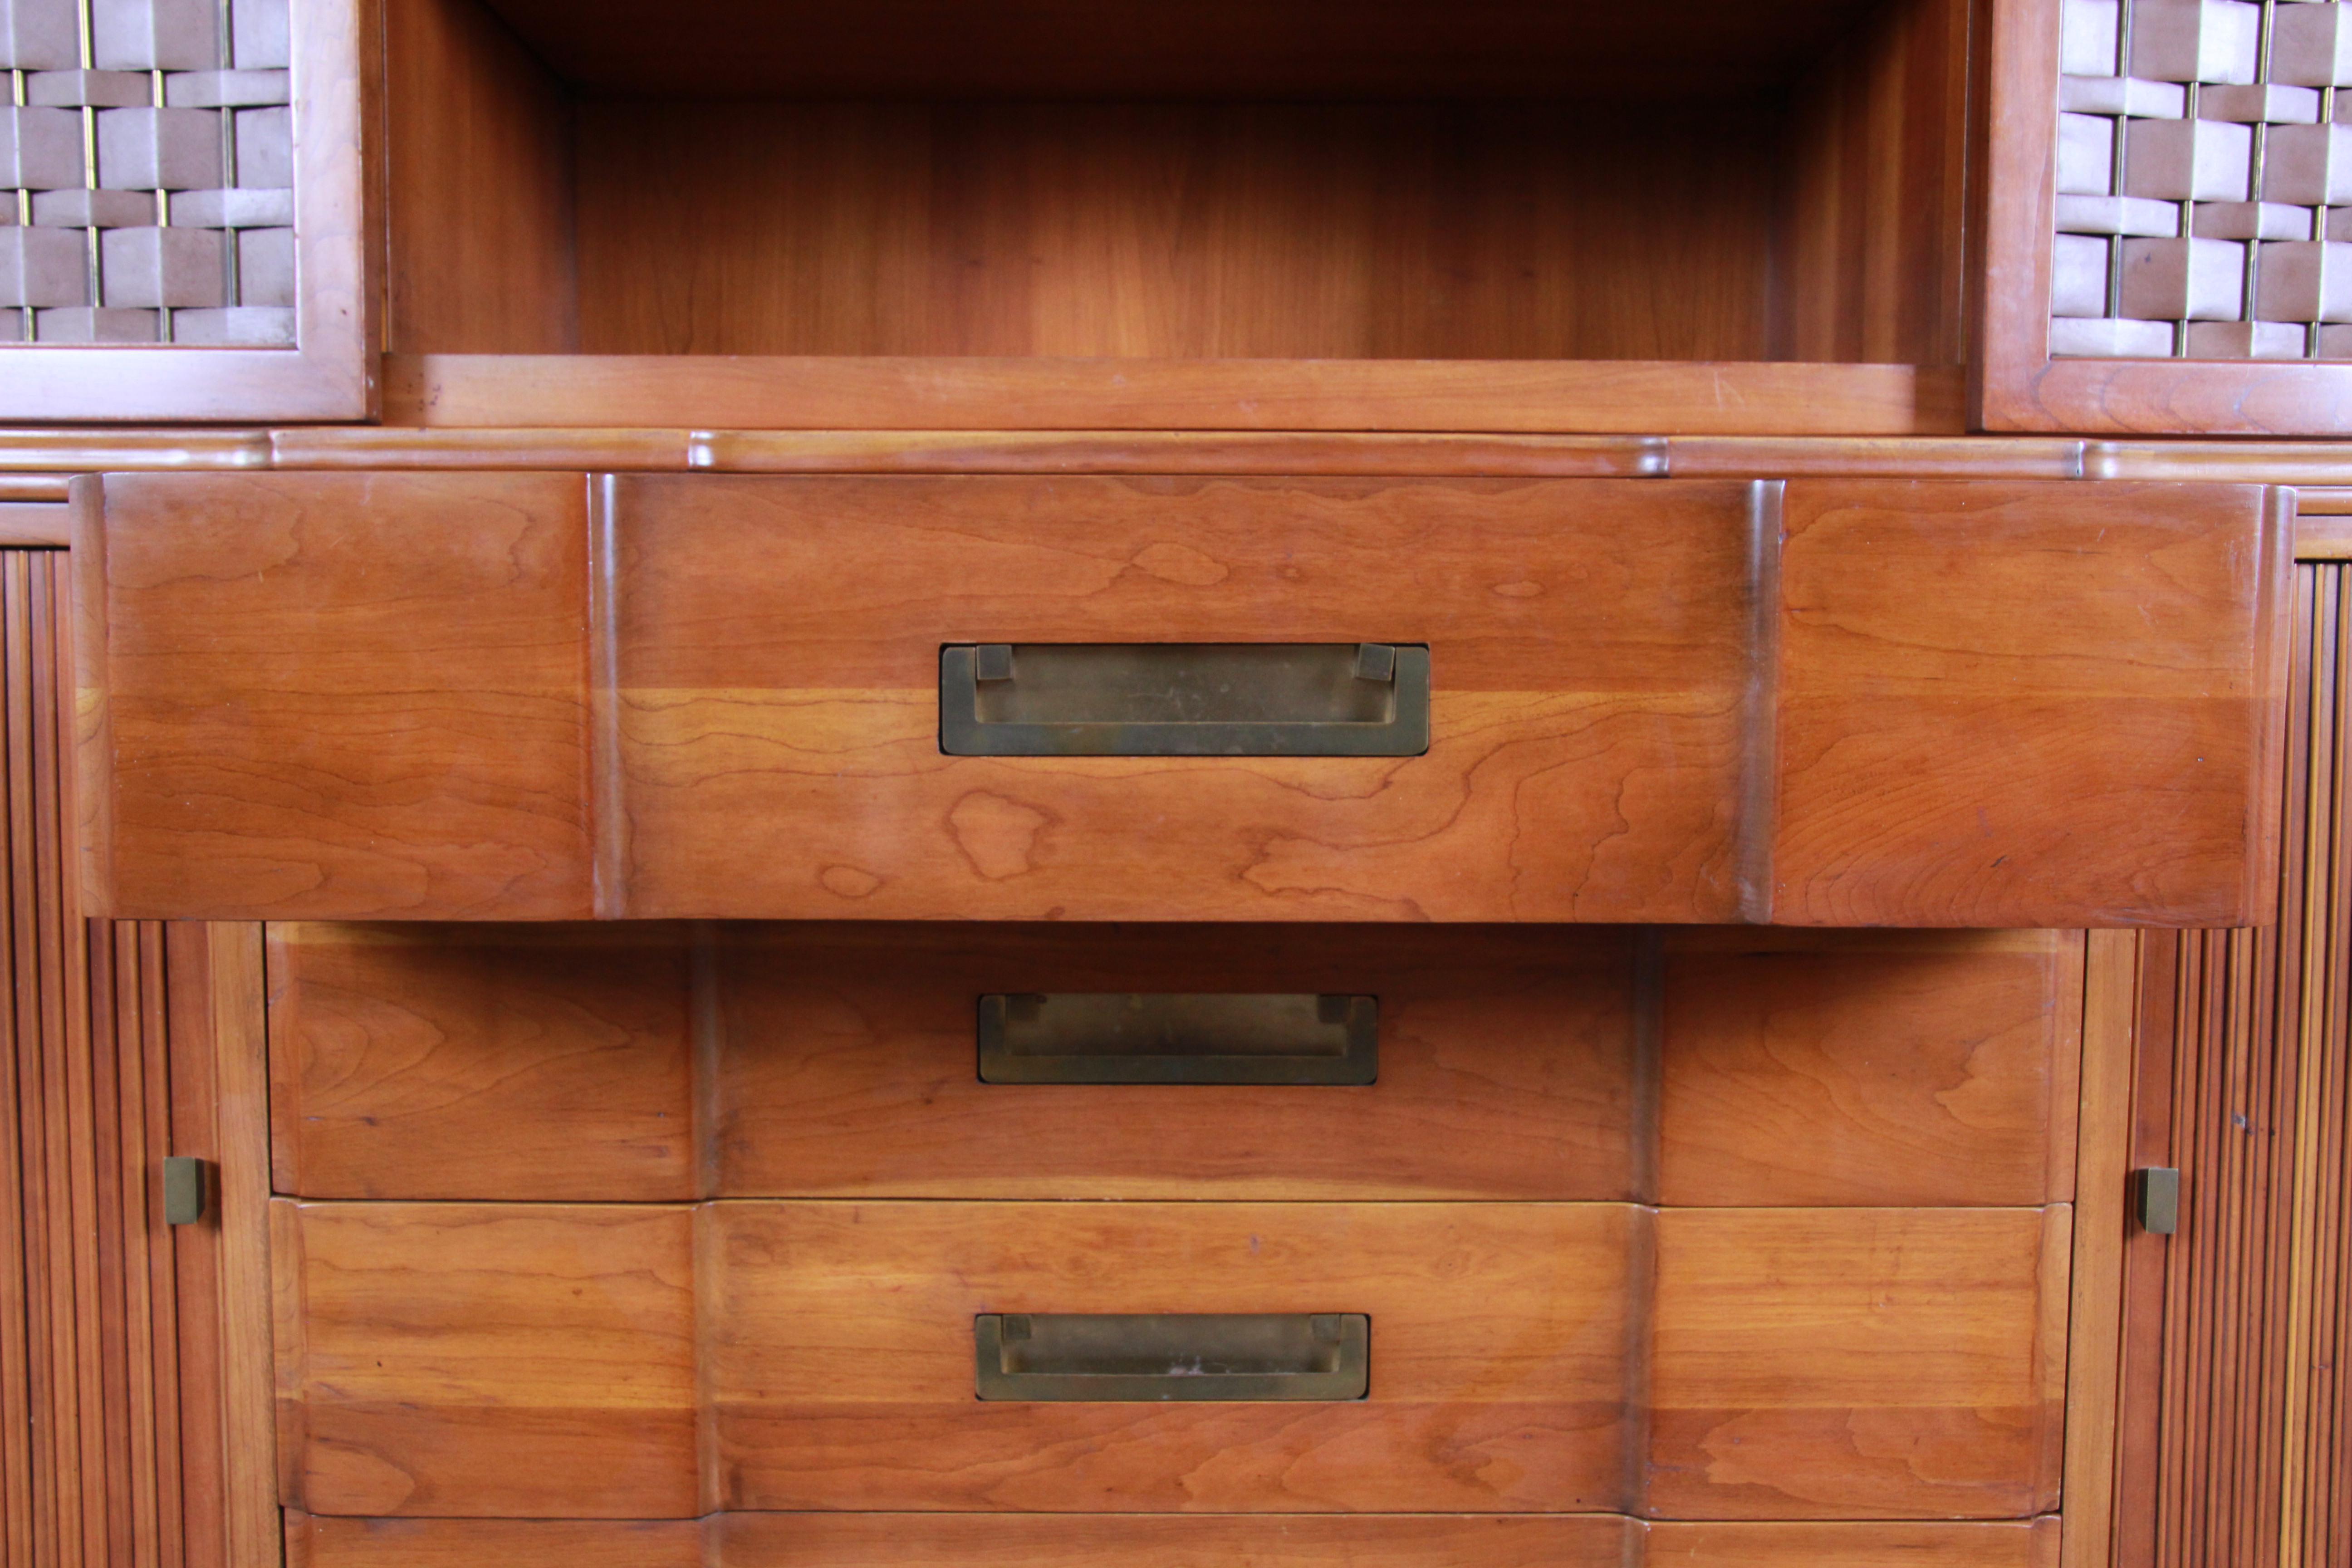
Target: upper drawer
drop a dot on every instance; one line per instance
(544, 697)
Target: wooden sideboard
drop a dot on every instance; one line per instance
(1278, 783)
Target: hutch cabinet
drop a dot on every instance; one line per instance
(1286, 784)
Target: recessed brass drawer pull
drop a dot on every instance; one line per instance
(1111, 1037)
(1184, 699)
(1154, 1357)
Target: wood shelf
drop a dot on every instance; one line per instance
(945, 392)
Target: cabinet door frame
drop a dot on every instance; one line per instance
(2015, 384)
(332, 373)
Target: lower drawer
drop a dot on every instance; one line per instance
(666, 1361)
(1199, 1540)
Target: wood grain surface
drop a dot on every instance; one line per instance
(1979, 704)
(762, 751)
(1492, 230)
(651, 1061)
(1280, 49)
(846, 1066)
(1871, 252)
(1163, 1541)
(1857, 1364)
(457, 1360)
(1847, 1069)
(552, 1361)
(513, 1062)
(479, 189)
(1994, 711)
(841, 1369)
(337, 693)
(824, 392)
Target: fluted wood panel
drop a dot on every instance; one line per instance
(2236, 1428)
(103, 1459)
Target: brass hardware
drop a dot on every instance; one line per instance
(1167, 1357)
(1184, 699)
(2156, 1198)
(1108, 1037)
(187, 1189)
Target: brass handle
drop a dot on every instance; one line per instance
(1184, 699)
(1114, 1037)
(1167, 1357)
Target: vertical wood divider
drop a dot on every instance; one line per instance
(1640, 1334)
(91, 764)
(707, 1036)
(607, 811)
(2066, 1069)
(241, 1060)
(2110, 969)
(1759, 781)
(2276, 676)
(1641, 1229)
(710, 1479)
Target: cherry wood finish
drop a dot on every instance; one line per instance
(331, 374)
(519, 1062)
(2232, 1436)
(840, 392)
(1488, 230)
(1871, 247)
(624, 724)
(32, 525)
(37, 464)
(395, 663)
(1982, 697)
(841, 1375)
(1165, 1540)
(479, 186)
(490, 1360)
(1151, 229)
(652, 1062)
(757, 749)
(515, 1360)
(1858, 1363)
(1896, 1068)
(1289, 49)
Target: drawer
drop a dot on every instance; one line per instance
(1710, 1066)
(1831, 702)
(1195, 1541)
(520, 1361)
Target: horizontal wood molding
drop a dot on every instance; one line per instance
(35, 465)
(1154, 1541)
(845, 392)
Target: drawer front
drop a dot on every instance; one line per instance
(637, 1063)
(463, 1360)
(1196, 1540)
(1848, 702)
(1588, 645)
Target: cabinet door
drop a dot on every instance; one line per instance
(2114, 303)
